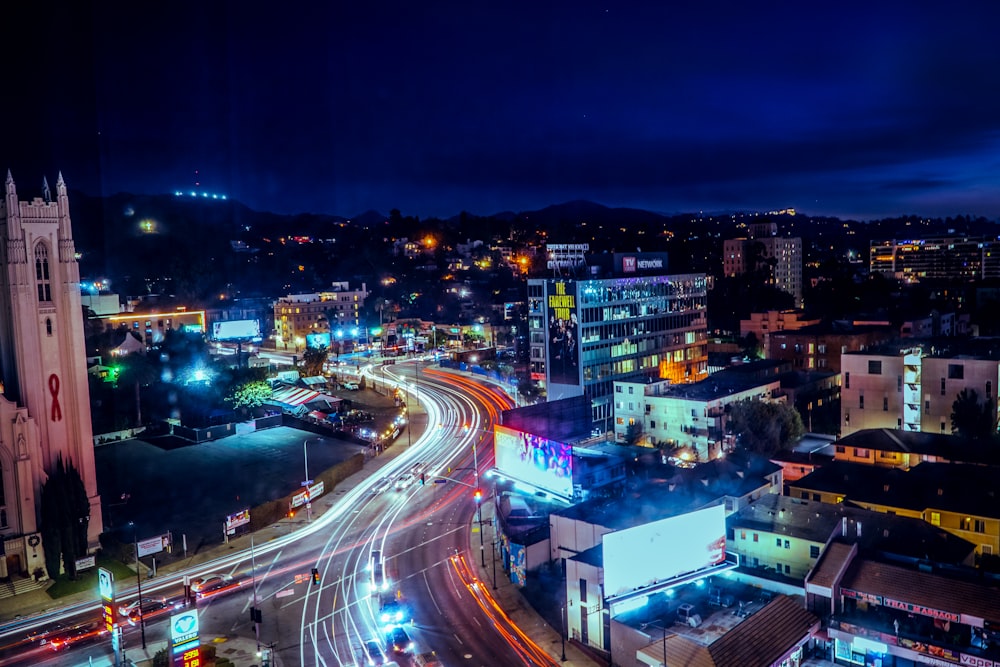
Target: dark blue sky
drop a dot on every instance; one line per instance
(851, 109)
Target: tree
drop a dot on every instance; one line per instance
(65, 511)
(136, 369)
(633, 433)
(249, 395)
(314, 360)
(764, 427)
(972, 419)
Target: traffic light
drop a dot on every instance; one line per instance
(315, 574)
(478, 495)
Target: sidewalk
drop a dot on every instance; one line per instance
(514, 604)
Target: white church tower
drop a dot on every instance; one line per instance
(45, 408)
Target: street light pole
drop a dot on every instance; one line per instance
(307, 482)
(138, 584)
(562, 635)
(479, 509)
(253, 579)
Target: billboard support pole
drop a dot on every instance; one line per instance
(138, 585)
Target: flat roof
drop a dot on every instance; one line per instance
(954, 487)
(942, 445)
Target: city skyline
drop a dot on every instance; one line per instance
(856, 112)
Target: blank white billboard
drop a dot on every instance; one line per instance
(640, 557)
(236, 330)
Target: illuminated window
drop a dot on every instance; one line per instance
(42, 273)
(935, 518)
(756, 537)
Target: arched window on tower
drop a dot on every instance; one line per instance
(48, 326)
(42, 273)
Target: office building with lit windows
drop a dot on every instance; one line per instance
(338, 308)
(957, 257)
(623, 319)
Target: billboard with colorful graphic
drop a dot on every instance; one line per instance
(535, 460)
(563, 344)
(518, 568)
(636, 558)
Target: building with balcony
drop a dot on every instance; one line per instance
(625, 320)
(692, 417)
(338, 309)
(912, 387)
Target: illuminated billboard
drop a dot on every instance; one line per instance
(535, 460)
(236, 330)
(563, 344)
(318, 340)
(636, 558)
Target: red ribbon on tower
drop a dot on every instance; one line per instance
(54, 390)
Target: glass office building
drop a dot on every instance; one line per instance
(623, 322)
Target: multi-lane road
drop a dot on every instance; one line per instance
(416, 512)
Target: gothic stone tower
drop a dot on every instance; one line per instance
(42, 355)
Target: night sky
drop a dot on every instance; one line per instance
(858, 110)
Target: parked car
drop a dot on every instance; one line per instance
(686, 614)
(352, 386)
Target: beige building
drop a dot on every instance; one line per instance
(761, 325)
(331, 311)
(763, 250)
(691, 417)
(913, 387)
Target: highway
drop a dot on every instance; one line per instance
(426, 534)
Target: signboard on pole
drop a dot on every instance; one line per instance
(153, 545)
(184, 639)
(85, 563)
(234, 521)
(106, 588)
(310, 494)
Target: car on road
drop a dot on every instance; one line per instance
(399, 640)
(213, 584)
(393, 612)
(382, 485)
(374, 653)
(151, 610)
(352, 386)
(376, 566)
(404, 481)
(133, 606)
(44, 633)
(78, 635)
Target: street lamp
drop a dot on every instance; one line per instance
(308, 482)
(138, 584)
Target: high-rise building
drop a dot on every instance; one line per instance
(45, 408)
(956, 257)
(627, 319)
(780, 258)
